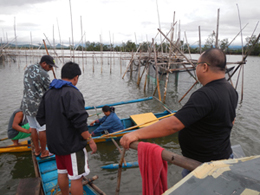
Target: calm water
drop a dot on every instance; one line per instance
(109, 87)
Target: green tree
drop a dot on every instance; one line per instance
(224, 44)
(130, 46)
(250, 41)
(209, 42)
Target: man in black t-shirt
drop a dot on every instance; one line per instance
(204, 123)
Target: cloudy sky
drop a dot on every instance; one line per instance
(122, 20)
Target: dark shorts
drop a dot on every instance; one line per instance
(74, 164)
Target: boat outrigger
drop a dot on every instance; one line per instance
(130, 124)
(24, 146)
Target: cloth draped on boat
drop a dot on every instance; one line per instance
(153, 168)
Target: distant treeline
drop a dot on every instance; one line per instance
(130, 46)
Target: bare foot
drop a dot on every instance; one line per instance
(37, 153)
(45, 154)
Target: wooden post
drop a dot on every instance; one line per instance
(157, 75)
(131, 61)
(93, 62)
(199, 40)
(175, 159)
(139, 70)
(48, 54)
(119, 172)
(216, 44)
(169, 63)
(101, 51)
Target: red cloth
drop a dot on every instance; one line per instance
(153, 168)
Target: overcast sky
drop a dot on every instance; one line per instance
(122, 20)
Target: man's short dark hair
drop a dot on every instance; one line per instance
(215, 57)
(70, 70)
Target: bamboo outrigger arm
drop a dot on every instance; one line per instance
(175, 159)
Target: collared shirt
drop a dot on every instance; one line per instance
(36, 82)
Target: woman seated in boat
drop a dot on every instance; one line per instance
(109, 122)
(18, 127)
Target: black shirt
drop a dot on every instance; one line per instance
(208, 117)
(63, 112)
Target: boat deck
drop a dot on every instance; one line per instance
(48, 173)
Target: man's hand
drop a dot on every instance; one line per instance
(127, 139)
(93, 146)
(92, 123)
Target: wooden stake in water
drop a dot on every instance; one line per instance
(93, 62)
(71, 28)
(119, 172)
(101, 50)
(48, 54)
(82, 43)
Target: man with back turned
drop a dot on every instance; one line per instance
(62, 110)
(36, 82)
(204, 123)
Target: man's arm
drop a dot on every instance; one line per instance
(162, 128)
(18, 118)
(86, 135)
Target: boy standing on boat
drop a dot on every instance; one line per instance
(36, 82)
(62, 110)
(204, 123)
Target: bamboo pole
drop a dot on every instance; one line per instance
(147, 65)
(101, 51)
(131, 61)
(136, 126)
(117, 146)
(48, 54)
(62, 51)
(139, 70)
(216, 43)
(244, 58)
(93, 62)
(86, 50)
(199, 40)
(173, 158)
(138, 82)
(110, 53)
(119, 172)
(188, 91)
(188, 60)
(71, 27)
(82, 43)
(120, 59)
(157, 75)
(169, 63)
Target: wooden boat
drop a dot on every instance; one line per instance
(24, 147)
(232, 176)
(131, 124)
(240, 175)
(46, 169)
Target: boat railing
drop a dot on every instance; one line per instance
(174, 158)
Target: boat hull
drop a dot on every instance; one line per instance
(47, 170)
(127, 123)
(18, 148)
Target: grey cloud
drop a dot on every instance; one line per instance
(11, 3)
